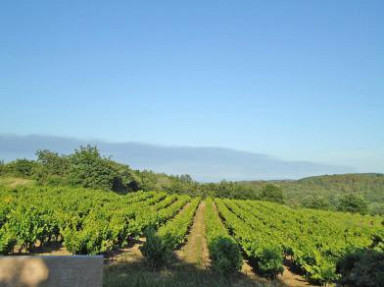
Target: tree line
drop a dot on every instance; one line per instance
(86, 167)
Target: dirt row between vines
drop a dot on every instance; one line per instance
(129, 262)
(286, 279)
(195, 251)
(195, 255)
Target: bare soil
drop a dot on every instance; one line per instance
(53, 248)
(196, 249)
(129, 254)
(192, 265)
(291, 279)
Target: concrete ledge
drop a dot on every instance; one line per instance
(51, 271)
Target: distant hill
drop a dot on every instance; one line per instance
(369, 185)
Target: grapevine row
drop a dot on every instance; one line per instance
(264, 254)
(88, 221)
(223, 249)
(174, 232)
(313, 243)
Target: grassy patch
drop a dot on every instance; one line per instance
(180, 274)
(16, 181)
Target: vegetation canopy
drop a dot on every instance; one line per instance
(90, 204)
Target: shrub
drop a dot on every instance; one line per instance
(154, 250)
(52, 167)
(352, 203)
(225, 255)
(321, 270)
(223, 249)
(362, 268)
(378, 240)
(91, 240)
(269, 262)
(20, 168)
(7, 241)
(93, 237)
(2, 167)
(89, 169)
(272, 192)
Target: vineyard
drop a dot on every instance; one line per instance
(313, 241)
(267, 235)
(87, 221)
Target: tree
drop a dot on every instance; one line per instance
(272, 192)
(2, 167)
(316, 202)
(185, 178)
(89, 169)
(269, 262)
(352, 203)
(124, 179)
(53, 163)
(376, 208)
(154, 250)
(364, 267)
(148, 180)
(21, 168)
(52, 168)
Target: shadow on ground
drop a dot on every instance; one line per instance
(177, 274)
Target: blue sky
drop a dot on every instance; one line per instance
(299, 80)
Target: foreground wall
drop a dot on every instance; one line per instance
(51, 271)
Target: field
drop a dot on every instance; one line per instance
(160, 239)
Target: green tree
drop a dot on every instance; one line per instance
(269, 262)
(352, 203)
(185, 178)
(147, 180)
(21, 168)
(376, 208)
(52, 168)
(362, 267)
(272, 192)
(89, 169)
(154, 250)
(2, 167)
(316, 202)
(124, 179)
(53, 163)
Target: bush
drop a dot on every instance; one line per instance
(52, 167)
(154, 250)
(320, 269)
(7, 241)
(91, 240)
(316, 202)
(376, 208)
(268, 262)
(272, 192)
(225, 255)
(362, 268)
(89, 169)
(2, 168)
(223, 249)
(94, 236)
(20, 168)
(352, 203)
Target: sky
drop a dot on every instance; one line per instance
(298, 80)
